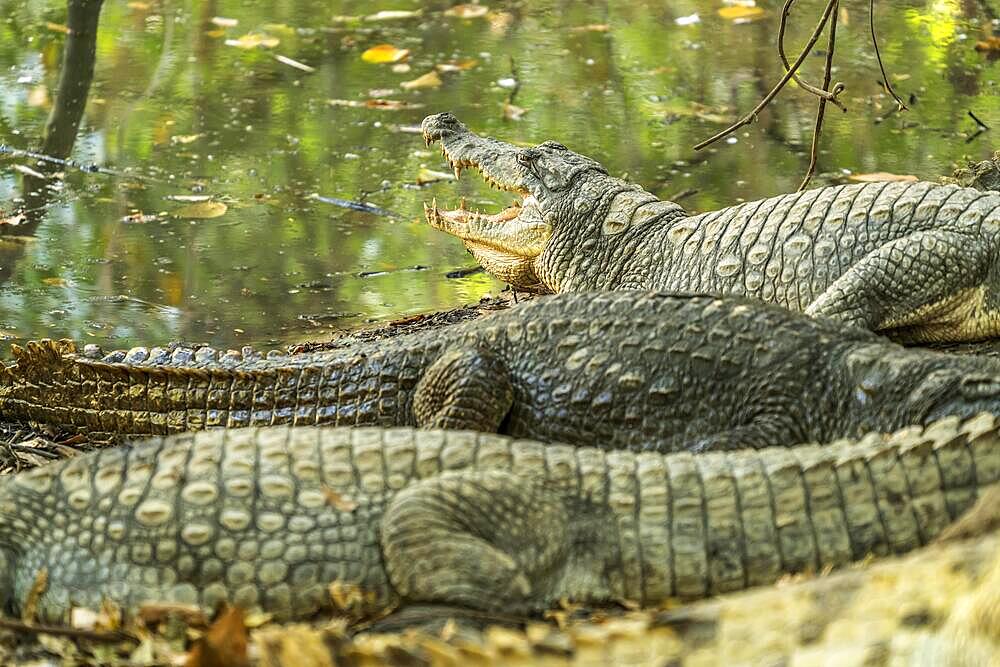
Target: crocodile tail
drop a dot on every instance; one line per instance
(50, 382)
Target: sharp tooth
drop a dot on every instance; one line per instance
(461, 205)
(434, 204)
(458, 171)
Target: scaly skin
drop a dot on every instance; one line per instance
(618, 369)
(271, 517)
(917, 261)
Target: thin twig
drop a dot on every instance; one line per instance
(828, 95)
(878, 56)
(821, 109)
(982, 126)
(63, 631)
(752, 116)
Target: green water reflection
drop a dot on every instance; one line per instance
(172, 102)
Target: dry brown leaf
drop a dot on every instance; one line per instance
(342, 503)
(879, 176)
(154, 613)
(741, 13)
(30, 608)
(468, 11)
(253, 40)
(224, 644)
(385, 53)
(202, 210)
(989, 45)
(429, 80)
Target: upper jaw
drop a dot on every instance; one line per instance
(495, 160)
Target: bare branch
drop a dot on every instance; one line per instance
(878, 56)
(821, 109)
(752, 116)
(828, 95)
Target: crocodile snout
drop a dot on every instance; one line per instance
(440, 125)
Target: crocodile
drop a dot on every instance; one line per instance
(917, 261)
(270, 518)
(625, 369)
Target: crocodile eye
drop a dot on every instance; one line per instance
(527, 156)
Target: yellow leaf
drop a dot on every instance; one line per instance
(741, 13)
(429, 80)
(385, 53)
(55, 282)
(57, 27)
(254, 40)
(879, 176)
(202, 210)
(990, 44)
(425, 176)
(468, 11)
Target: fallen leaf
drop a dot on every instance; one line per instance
(425, 176)
(186, 138)
(38, 97)
(55, 282)
(202, 210)
(690, 19)
(224, 644)
(223, 22)
(468, 11)
(593, 27)
(879, 176)
(188, 198)
(401, 68)
(82, 618)
(338, 501)
(253, 40)
(460, 66)
(13, 220)
(385, 53)
(512, 111)
(387, 105)
(57, 27)
(154, 613)
(393, 15)
(741, 13)
(139, 218)
(294, 63)
(990, 45)
(30, 608)
(429, 80)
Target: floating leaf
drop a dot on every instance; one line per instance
(186, 138)
(425, 176)
(55, 282)
(690, 19)
(188, 198)
(385, 53)
(57, 27)
(202, 210)
(387, 105)
(512, 111)
(593, 27)
(468, 11)
(139, 218)
(741, 13)
(223, 22)
(393, 15)
(38, 97)
(879, 176)
(460, 66)
(253, 40)
(429, 80)
(294, 63)
(14, 219)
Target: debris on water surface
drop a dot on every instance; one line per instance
(427, 176)
(375, 103)
(467, 11)
(741, 13)
(254, 40)
(429, 80)
(393, 15)
(202, 210)
(385, 53)
(294, 63)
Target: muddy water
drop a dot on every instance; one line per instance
(264, 111)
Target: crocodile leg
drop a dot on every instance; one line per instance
(482, 540)
(464, 389)
(930, 285)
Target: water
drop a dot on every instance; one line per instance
(175, 111)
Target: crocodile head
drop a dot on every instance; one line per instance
(570, 210)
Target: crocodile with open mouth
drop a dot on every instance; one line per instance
(915, 260)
